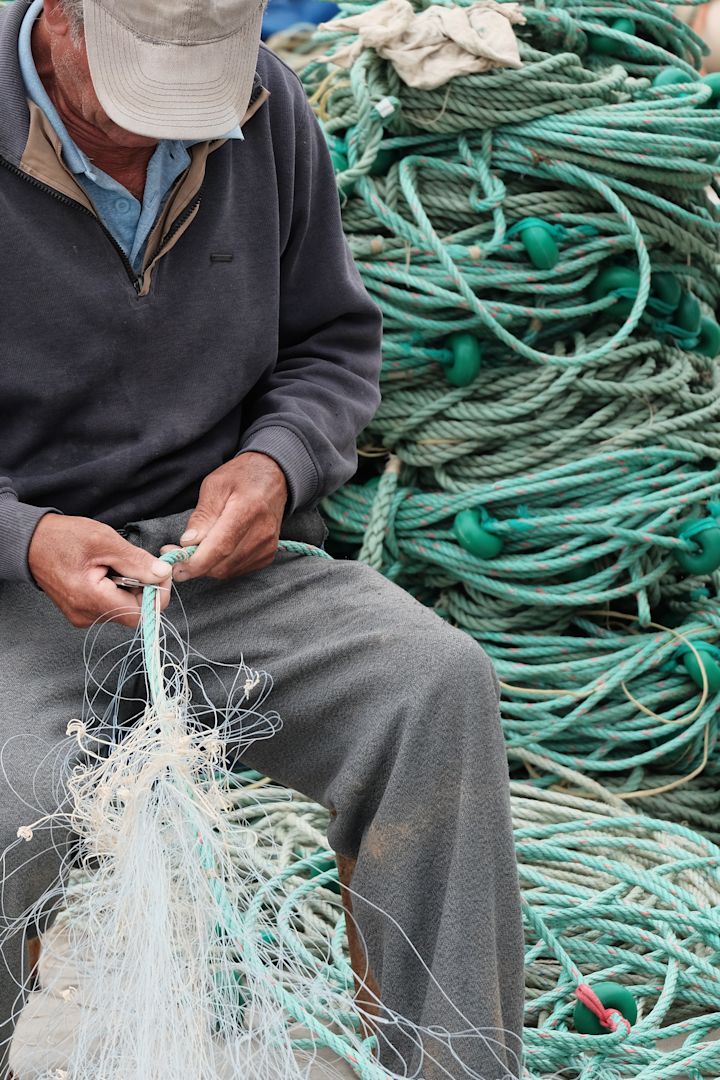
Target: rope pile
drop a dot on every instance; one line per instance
(545, 253)
(628, 903)
(608, 896)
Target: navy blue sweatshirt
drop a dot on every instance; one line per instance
(248, 328)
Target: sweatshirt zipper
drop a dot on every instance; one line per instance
(135, 281)
(179, 222)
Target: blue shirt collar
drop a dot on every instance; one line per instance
(75, 159)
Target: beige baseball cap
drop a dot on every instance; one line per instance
(173, 69)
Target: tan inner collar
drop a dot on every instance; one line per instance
(43, 160)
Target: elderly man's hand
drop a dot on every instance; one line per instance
(236, 523)
(71, 558)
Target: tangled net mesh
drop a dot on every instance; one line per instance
(197, 925)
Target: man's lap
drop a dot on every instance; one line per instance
(389, 718)
(340, 642)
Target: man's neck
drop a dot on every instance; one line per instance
(128, 165)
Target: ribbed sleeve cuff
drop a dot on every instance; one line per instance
(289, 452)
(17, 524)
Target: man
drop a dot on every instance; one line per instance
(183, 329)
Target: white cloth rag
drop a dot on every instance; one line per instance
(430, 47)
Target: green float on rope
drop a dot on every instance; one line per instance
(604, 45)
(709, 338)
(687, 315)
(621, 282)
(613, 997)
(666, 288)
(671, 76)
(709, 663)
(538, 239)
(713, 81)
(705, 538)
(471, 531)
(466, 359)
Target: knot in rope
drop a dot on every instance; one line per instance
(610, 1018)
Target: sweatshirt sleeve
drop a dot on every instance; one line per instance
(17, 525)
(307, 413)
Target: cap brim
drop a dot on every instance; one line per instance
(171, 91)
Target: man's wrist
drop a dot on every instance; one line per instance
(290, 453)
(268, 467)
(18, 522)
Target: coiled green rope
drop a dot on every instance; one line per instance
(632, 909)
(569, 402)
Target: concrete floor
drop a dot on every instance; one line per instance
(47, 1029)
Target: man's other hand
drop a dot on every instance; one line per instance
(71, 558)
(236, 523)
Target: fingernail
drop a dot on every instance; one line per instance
(189, 537)
(160, 568)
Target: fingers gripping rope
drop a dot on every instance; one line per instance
(151, 608)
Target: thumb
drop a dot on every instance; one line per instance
(209, 508)
(131, 561)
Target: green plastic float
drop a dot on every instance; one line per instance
(465, 361)
(613, 996)
(472, 534)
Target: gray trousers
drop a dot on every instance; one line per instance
(390, 720)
